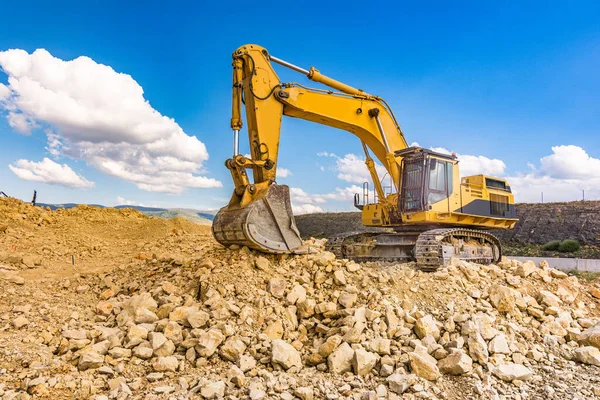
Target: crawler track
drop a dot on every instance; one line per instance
(431, 249)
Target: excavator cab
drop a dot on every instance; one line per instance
(427, 178)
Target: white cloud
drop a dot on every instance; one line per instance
(351, 168)
(570, 162)
(475, 165)
(325, 154)
(121, 201)
(306, 209)
(48, 171)
(299, 196)
(101, 116)
(561, 176)
(4, 92)
(284, 172)
(20, 123)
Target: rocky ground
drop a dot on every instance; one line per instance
(157, 309)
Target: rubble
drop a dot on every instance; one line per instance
(239, 324)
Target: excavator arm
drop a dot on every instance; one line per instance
(259, 213)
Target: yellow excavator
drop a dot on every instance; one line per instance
(432, 213)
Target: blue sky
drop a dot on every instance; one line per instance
(499, 84)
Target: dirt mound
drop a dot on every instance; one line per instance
(196, 320)
(45, 243)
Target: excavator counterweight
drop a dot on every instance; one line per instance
(433, 213)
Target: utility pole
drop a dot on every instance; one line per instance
(34, 197)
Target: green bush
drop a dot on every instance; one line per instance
(552, 245)
(569, 246)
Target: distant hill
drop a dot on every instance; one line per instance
(202, 217)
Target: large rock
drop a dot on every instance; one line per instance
(214, 390)
(340, 360)
(499, 345)
(329, 345)
(588, 355)
(323, 258)
(525, 269)
(549, 299)
(208, 342)
(197, 318)
(423, 365)
(363, 361)
(173, 332)
(478, 348)
(276, 287)
(502, 298)
(232, 349)
(347, 300)
(162, 364)
(457, 363)
(297, 295)
(590, 337)
(90, 360)
(135, 307)
(400, 383)
(285, 354)
(427, 326)
(274, 330)
(381, 346)
(511, 372)
(484, 324)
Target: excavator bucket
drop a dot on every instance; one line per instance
(266, 225)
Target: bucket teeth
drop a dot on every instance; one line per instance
(266, 224)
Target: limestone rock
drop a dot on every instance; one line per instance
(427, 326)
(347, 300)
(549, 299)
(478, 348)
(457, 363)
(590, 337)
(484, 324)
(90, 360)
(424, 366)
(236, 375)
(163, 364)
(499, 345)
(275, 330)
(276, 287)
(232, 349)
(340, 360)
(381, 346)
(214, 390)
(588, 355)
(502, 298)
(400, 383)
(339, 278)
(304, 393)
(262, 263)
(329, 345)
(20, 322)
(363, 361)
(285, 354)
(525, 269)
(208, 342)
(297, 295)
(197, 318)
(511, 372)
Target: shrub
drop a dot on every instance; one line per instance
(552, 245)
(569, 246)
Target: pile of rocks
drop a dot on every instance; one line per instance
(237, 324)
